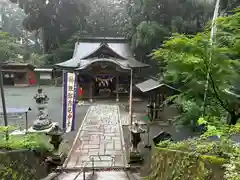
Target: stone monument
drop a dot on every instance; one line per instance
(136, 132)
(42, 122)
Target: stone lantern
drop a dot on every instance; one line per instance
(136, 132)
(56, 139)
(56, 136)
(42, 122)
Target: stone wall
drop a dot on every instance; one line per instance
(22, 165)
(173, 164)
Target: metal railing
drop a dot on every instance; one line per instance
(92, 160)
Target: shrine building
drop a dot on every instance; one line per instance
(18, 74)
(104, 67)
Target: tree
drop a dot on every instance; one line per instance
(228, 5)
(187, 59)
(9, 48)
(155, 20)
(12, 20)
(55, 20)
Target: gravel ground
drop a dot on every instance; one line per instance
(18, 97)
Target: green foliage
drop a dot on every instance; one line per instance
(9, 48)
(147, 34)
(217, 128)
(187, 58)
(37, 60)
(18, 160)
(232, 168)
(22, 165)
(28, 141)
(223, 153)
(189, 111)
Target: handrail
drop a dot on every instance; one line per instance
(83, 170)
(91, 157)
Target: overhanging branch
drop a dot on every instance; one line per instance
(217, 95)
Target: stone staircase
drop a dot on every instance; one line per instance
(101, 175)
(97, 175)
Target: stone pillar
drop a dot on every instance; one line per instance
(90, 91)
(117, 88)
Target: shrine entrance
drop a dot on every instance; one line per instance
(101, 80)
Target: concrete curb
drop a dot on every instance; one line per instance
(76, 138)
(122, 139)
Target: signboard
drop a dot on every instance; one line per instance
(69, 100)
(45, 76)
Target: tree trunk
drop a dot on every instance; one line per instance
(233, 118)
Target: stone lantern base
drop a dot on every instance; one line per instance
(135, 157)
(42, 124)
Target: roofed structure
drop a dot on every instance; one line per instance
(91, 50)
(17, 65)
(104, 66)
(157, 94)
(18, 74)
(150, 85)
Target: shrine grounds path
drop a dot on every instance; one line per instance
(100, 139)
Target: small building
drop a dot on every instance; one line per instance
(157, 93)
(45, 76)
(18, 74)
(103, 66)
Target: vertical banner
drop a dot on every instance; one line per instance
(69, 100)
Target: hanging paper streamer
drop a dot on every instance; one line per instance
(104, 81)
(69, 100)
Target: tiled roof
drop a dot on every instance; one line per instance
(151, 84)
(81, 64)
(88, 46)
(84, 49)
(18, 64)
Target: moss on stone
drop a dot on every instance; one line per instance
(22, 165)
(179, 165)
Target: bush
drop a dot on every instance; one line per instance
(27, 141)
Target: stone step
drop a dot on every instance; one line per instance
(99, 175)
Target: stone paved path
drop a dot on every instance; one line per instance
(100, 137)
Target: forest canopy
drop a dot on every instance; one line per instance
(147, 21)
(187, 58)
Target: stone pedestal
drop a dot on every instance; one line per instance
(42, 122)
(135, 157)
(136, 131)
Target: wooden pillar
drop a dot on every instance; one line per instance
(117, 88)
(91, 91)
